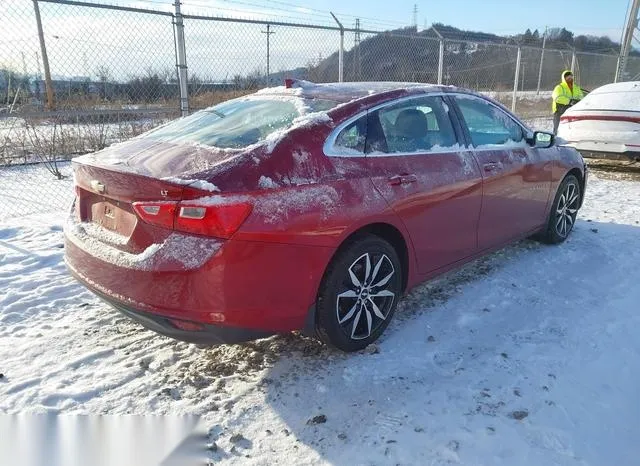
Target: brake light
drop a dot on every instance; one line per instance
(161, 214)
(219, 220)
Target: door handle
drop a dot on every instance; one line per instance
(491, 167)
(397, 180)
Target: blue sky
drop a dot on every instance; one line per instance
(599, 17)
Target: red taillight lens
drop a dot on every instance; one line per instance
(220, 220)
(157, 213)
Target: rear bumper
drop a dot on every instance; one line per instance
(610, 150)
(245, 290)
(207, 335)
(630, 155)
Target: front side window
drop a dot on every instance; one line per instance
(417, 125)
(487, 124)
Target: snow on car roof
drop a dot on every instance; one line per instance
(618, 96)
(343, 92)
(630, 86)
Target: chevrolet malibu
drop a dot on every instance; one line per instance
(311, 207)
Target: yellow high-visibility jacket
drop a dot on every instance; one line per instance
(563, 95)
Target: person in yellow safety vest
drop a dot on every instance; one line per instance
(565, 94)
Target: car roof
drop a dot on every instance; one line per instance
(629, 86)
(620, 97)
(346, 92)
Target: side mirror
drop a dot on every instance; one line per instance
(542, 140)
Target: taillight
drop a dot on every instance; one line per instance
(220, 220)
(161, 214)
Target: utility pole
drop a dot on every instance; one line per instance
(544, 43)
(24, 65)
(341, 51)
(51, 105)
(627, 39)
(356, 51)
(268, 32)
(415, 16)
(182, 61)
(38, 78)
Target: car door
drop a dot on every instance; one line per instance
(431, 181)
(516, 176)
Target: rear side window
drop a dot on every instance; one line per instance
(487, 124)
(417, 125)
(351, 140)
(238, 123)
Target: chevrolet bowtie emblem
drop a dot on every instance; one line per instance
(97, 186)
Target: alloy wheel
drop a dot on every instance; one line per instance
(368, 298)
(567, 209)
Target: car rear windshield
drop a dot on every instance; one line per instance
(238, 123)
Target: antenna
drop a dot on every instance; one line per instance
(415, 16)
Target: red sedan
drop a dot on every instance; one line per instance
(311, 207)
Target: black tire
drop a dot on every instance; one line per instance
(564, 211)
(350, 317)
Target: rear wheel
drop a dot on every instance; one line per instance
(359, 294)
(563, 211)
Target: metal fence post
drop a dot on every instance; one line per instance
(341, 51)
(516, 80)
(441, 62)
(573, 61)
(181, 61)
(45, 59)
(544, 43)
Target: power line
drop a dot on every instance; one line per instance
(246, 13)
(399, 23)
(276, 11)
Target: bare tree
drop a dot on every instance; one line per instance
(104, 75)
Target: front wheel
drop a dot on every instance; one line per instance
(563, 211)
(359, 294)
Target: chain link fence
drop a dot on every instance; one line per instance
(115, 72)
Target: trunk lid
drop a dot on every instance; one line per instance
(156, 159)
(109, 183)
(104, 206)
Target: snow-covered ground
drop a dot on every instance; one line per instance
(529, 356)
(29, 189)
(27, 140)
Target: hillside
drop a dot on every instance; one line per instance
(472, 59)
